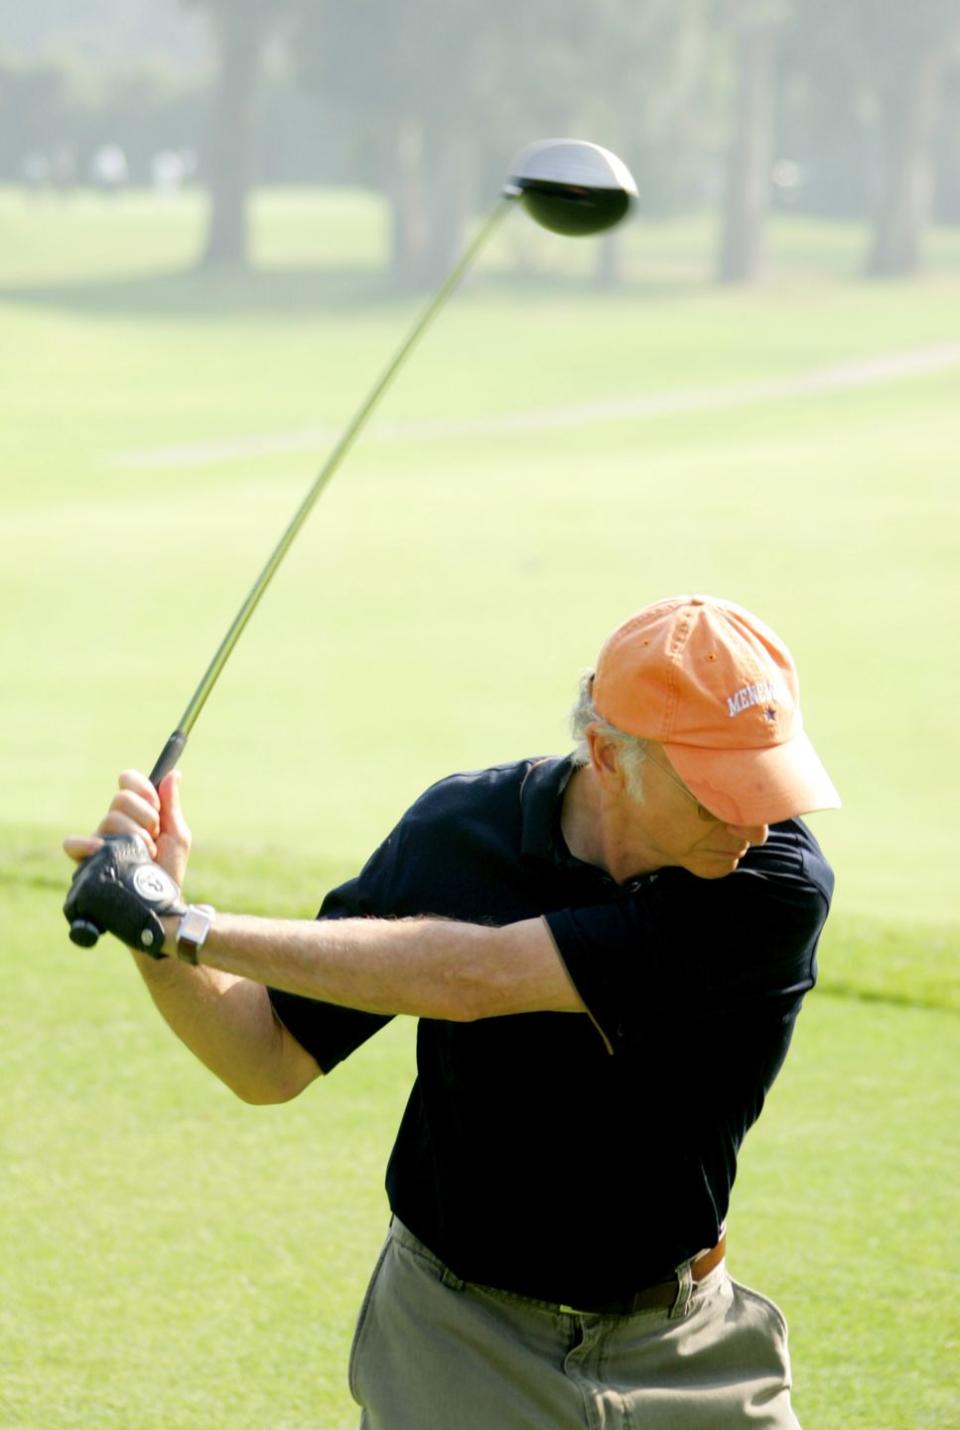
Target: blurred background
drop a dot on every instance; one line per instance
(217, 223)
(743, 107)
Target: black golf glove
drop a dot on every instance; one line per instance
(120, 890)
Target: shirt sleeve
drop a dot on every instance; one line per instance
(693, 950)
(329, 1032)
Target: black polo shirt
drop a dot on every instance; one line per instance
(568, 1157)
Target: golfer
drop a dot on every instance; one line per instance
(607, 953)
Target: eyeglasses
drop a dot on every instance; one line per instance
(701, 811)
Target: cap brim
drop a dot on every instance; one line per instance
(761, 786)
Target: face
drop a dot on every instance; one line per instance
(668, 827)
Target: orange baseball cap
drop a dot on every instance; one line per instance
(719, 691)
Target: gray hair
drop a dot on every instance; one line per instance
(633, 748)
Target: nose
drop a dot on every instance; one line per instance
(750, 833)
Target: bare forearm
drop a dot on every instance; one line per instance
(430, 968)
(228, 1023)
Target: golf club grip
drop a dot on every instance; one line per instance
(168, 757)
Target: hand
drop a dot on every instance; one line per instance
(119, 890)
(156, 817)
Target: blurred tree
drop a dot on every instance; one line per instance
(824, 112)
(859, 108)
(241, 29)
(757, 27)
(442, 92)
(411, 85)
(103, 35)
(911, 50)
(947, 151)
(53, 118)
(34, 119)
(642, 77)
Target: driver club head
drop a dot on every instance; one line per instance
(571, 186)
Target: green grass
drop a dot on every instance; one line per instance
(183, 1260)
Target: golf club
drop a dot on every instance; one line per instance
(569, 186)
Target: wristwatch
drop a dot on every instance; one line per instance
(192, 931)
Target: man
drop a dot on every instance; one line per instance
(607, 954)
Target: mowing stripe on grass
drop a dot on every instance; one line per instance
(867, 372)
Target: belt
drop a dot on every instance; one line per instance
(662, 1294)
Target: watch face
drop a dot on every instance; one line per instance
(193, 930)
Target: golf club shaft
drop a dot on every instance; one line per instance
(173, 749)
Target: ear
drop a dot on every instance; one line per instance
(605, 759)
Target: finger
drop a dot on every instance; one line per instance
(139, 783)
(172, 819)
(137, 808)
(116, 822)
(81, 846)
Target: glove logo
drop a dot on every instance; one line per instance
(153, 885)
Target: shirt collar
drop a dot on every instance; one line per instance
(541, 801)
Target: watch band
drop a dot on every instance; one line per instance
(192, 931)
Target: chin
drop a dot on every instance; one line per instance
(715, 868)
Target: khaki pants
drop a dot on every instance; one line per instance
(432, 1352)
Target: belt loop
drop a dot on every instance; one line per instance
(684, 1291)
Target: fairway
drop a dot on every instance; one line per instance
(554, 456)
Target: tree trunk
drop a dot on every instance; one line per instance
(408, 226)
(910, 108)
(240, 27)
(750, 157)
(449, 196)
(608, 272)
